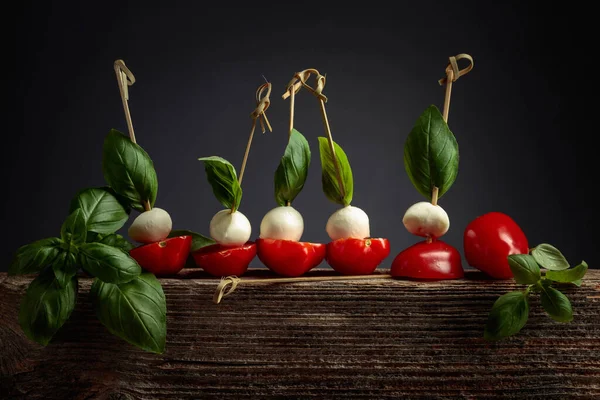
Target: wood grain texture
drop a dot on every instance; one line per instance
(380, 339)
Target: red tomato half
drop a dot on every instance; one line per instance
(219, 260)
(289, 258)
(435, 260)
(357, 256)
(490, 239)
(163, 258)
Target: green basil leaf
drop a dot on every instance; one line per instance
(74, 229)
(46, 306)
(568, 275)
(550, 257)
(116, 240)
(524, 268)
(508, 316)
(135, 311)
(223, 179)
(108, 263)
(329, 177)
(577, 282)
(198, 240)
(33, 257)
(129, 170)
(556, 304)
(64, 267)
(292, 170)
(431, 154)
(101, 209)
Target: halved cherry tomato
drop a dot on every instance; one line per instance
(220, 260)
(435, 260)
(357, 256)
(489, 240)
(166, 257)
(289, 258)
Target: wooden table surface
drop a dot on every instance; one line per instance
(379, 339)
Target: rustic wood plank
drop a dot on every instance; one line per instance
(381, 339)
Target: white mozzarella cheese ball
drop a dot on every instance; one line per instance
(230, 228)
(151, 226)
(348, 222)
(425, 219)
(282, 223)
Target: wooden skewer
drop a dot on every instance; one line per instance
(230, 283)
(452, 74)
(262, 104)
(125, 78)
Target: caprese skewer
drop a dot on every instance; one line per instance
(279, 246)
(231, 230)
(431, 162)
(157, 253)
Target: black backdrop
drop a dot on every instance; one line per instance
(524, 130)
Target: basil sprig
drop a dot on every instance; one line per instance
(131, 304)
(329, 178)
(101, 208)
(431, 154)
(292, 171)
(510, 312)
(222, 177)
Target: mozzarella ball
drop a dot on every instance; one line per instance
(230, 228)
(282, 223)
(348, 222)
(151, 226)
(425, 219)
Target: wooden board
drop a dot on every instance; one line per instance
(380, 339)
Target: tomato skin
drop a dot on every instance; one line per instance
(357, 256)
(435, 260)
(488, 241)
(220, 260)
(166, 257)
(290, 258)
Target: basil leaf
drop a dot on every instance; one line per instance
(292, 170)
(135, 311)
(556, 304)
(46, 306)
(223, 179)
(329, 177)
(572, 275)
(101, 209)
(108, 263)
(33, 257)
(508, 316)
(64, 267)
(198, 240)
(116, 240)
(431, 154)
(129, 170)
(524, 268)
(550, 257)
(74, 229)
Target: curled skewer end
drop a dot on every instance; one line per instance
(227, 286)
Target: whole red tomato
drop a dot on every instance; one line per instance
(219, 260)
(163, 258)
(357, 256)
(289, 258)
(490, 239)
(428, 260)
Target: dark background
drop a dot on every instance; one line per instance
(524, 129)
